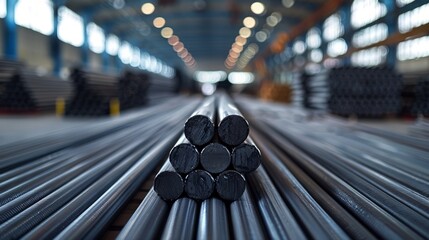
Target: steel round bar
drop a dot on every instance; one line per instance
(246, 221)
(246, 157)
(199, 128)
(199, 185)
(230, 185)
(233, 129)
(182, 220)
(184, 157)
(213, 220)
(215, 158)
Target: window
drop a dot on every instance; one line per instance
(125, 52)
(332, 27)
(70, 27)
(37, 15)
(413, 18)
(313, 38)
(337, 47)
(112, 45)
(370, 35)
(3, 9)
(369, 57)
(413, 49)
(366, 11)
(96, 38)
(402, 3)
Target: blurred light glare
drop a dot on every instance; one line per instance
(178, 47)
(261, 36)
(257, 8)
(166, 32)
(173, 40)
(234, 54)
(148, 8)
(249, 22)
(241, 77)
(208, 89)
(210, 76)
(245, 32)
(236, 48)
(277, 16)
(159, 22)
(272, 21)
(288, 3)
(183, 53)
(240, 40)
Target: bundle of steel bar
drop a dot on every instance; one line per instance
(205, 162)
(311, 90)
(74, 192)
(367, 92)
(94, 91)
(26, 90)
(338, 181)
(421, 91)
(133, 87)
(420, 128)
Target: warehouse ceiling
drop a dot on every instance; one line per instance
(207, 28)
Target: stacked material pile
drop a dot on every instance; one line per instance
(366, 92)
(24, 90)
(210, 160)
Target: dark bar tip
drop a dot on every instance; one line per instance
(199, 185)
(233, 130)
(169, 185)
(184, 158)
(245, 158)
(215, 158)
(199, 130)
(230, 185)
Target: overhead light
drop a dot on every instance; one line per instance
(173, 40)
(249, 22)
(236, 48)
(240, 40)
(245, 32)
(148, 8)
(166, 32)
(159, 22)
(178, 47)
(257, 8)
(272, 21)
(261, 36)
(234, 54)
(288, 3)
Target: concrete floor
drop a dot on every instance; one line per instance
(18, 127)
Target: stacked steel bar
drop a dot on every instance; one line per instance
(421, 91)
(75, 191)
(7, 69)
(26, 90)
(133, 88)
(340, 181)
(205, 162)
(367, 92)
(93, 93)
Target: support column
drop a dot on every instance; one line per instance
(11, 34)
(392, 28)
(85, 46)
(55, 45)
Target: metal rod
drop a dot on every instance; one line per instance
(213, 223)
(199, 185)
(215, 158)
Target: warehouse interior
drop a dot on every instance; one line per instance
(214, 119)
